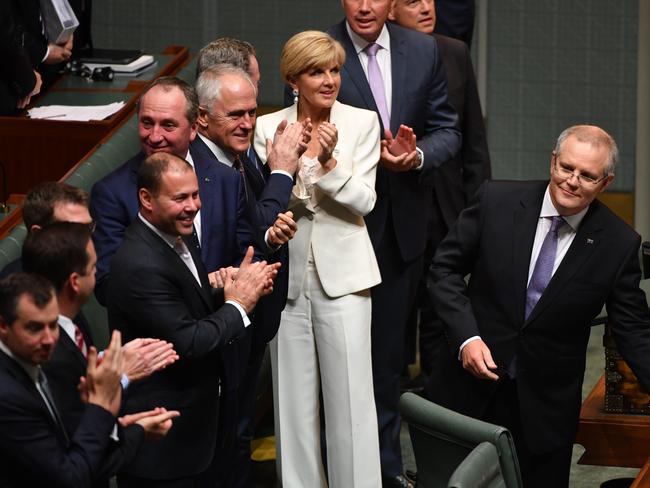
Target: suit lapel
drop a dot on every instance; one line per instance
(398, 59)
(354, 70)
(584, 244)
(171, 258)
(524, 227)
(16, 371)
(66, 343)
(203, 161)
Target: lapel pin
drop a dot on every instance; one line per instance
(590, 241)
(207, 178)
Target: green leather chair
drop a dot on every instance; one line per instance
(442, 439)
(480, 469)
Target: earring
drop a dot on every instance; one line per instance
(294, 92)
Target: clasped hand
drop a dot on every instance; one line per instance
(252, 280)
(289, 143)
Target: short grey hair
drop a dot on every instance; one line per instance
(225, 50)
(594, 136)
(208, 86)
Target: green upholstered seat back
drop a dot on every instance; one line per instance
(480, 469)
(442, 439)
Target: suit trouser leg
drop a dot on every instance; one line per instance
(549, 469)
(341, 331)
(392, 301)
(240, 477)
(296, 387)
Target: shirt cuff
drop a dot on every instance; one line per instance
(244, 317)
(460, 349)
(421, 154)
(266, 241)
(282, 172)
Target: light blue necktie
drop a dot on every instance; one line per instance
(544, 265)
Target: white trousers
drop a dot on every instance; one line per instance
(325, 341)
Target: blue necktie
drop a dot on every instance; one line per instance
(544, 265)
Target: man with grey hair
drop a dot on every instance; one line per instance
(227, 50)
(227, 111)
(543, 258)
(167, 122)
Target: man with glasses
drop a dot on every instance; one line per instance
(544, 256)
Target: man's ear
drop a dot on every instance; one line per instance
(73, 281)
(391, 11)
(608, 181)
(145, 197)
(202, 119)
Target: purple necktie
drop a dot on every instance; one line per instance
(376, 83)
(544, 266)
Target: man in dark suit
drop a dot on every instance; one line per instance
(456, 19)
(159, 288)
(63, 252)
(543, 258)
(35, 449)
(20, 82)
(167, 114)
(399, 74)
(457, 180)
(227, 108)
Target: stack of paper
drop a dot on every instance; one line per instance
(78, 113)
(134, 67)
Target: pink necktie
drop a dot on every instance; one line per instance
(376, 83)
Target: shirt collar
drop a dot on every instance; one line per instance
(360, 43)
(68, 326)
(549, 210)
(226, 157)
(32, 370)
(168, 238)
(189, 159)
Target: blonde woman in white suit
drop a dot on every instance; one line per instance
(324, 335)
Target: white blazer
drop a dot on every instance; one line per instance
(331, 219)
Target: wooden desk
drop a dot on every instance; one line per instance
(612, 439)
(35, 150)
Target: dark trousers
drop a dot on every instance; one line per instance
(246, 425)
(392, 300)
(545, 470)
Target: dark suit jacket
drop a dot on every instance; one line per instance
(455, 18)
(152, 293)
(63, 371)
(457, 180)
(17, 78)
(32, 450)
(268, 195)
(493, 240)
(225, 229)
(419, 100)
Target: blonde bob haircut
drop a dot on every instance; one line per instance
(308, 50)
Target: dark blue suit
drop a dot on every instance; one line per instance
(225, 228)
(398, 223)
(33, 451)
(267, 195)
